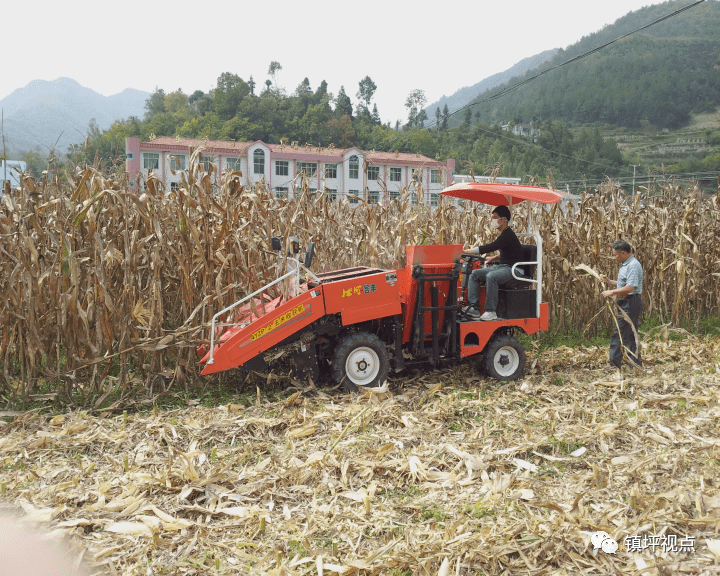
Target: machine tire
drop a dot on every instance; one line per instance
(370, 357)
(504, 358)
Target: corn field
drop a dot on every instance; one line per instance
(107, 290)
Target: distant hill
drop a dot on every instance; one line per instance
(45, 112)
(659, 76)
(466, 94)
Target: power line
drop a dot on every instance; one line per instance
(646, 178)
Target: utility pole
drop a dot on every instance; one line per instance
(634, 166)
(4, 156)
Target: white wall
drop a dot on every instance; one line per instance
(352, 183)
(283, 181)
(251, 176)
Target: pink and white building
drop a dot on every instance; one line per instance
(366, 174)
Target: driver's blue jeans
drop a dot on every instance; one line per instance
(492, 277)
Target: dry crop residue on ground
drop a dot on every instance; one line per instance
(449, 473)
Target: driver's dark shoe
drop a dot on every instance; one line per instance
(472, 313)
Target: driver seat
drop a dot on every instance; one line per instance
(524, 271)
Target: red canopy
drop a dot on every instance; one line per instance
(501, 194)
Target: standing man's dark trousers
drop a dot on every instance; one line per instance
(632, 305)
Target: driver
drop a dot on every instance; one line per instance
(510, 253)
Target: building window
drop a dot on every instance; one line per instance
(130, 155)
(373, 197)
(354, 167)
(282, 168)
(356, 193)
(259, 161)
(309, 168)
(331, 193)
(206, 161)
(433, 199)
(174, 186)
(413, 198)
(434, 176)
(177, 161)
(395, 174)
(394, 194)
(330, 170)
(373, 172)
(151, 160)
(281, 191)
(233, 164)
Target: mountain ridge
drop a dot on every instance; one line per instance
(49, 113)
(466, 94)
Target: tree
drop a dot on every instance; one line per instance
(35, 162)
(422, 117)
(446, 117)
(303, 91)
(251, 83)
(414, 103)
(313, 126)
(155, 104)
(230, 91)
(468, 117)
(321, 92)
(204, 105)
(365, 93)
(375, 115)
(195, 96)
(176, 101)
(273, 70)
(437, 118)
(343, 105)
(209, 126)
(341, 131)
(109, 146)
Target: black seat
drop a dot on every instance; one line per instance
(526, 271)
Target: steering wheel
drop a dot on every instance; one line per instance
(470, 258)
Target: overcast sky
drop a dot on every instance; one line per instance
(437, 47)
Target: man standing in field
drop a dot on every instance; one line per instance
(628, 288)
(510, 253)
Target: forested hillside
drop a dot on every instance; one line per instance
(660, 75)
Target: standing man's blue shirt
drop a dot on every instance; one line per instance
(631, 274)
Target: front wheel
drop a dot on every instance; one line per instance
(360, 359)
(504, 358)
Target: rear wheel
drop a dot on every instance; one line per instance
(504, 358)
(360, 359)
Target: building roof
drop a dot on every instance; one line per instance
(299, 152)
